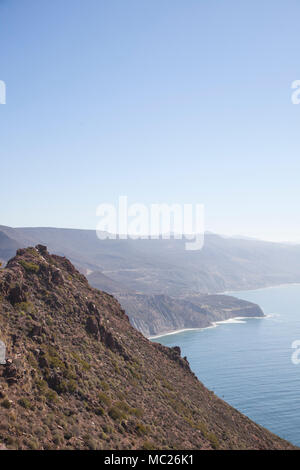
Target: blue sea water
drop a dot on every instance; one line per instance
(248, 363)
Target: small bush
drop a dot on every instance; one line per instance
(148, 446)
(41, 385)
(25, 403)
(202, 428)
(138, 412)
(33, 444)
(51, 396)
(141, 429)
(25, 307)
(90, 443)
(104, 399)
(123, 406)
(120, 395)
(99, 411)
(213, 440)
(58, 438)
(85, 365)
(29, 267)
(6, 404)
(71, 386)
(104, 385)
(116, 414)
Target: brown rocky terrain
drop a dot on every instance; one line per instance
(79, 376)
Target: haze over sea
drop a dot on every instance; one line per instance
(248, 362)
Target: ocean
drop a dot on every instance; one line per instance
(248, 362)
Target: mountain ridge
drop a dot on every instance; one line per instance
(223, 264)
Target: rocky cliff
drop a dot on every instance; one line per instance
(159, 314)
(78, 376)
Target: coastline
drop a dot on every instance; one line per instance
(213, 325)
(229, 320)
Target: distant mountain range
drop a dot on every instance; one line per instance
(161, 285)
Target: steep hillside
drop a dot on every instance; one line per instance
(79, 376)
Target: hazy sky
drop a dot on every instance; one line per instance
(160, 100)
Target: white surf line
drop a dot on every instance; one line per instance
(175, 332)
(213, 325)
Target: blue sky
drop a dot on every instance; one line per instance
(160, 100)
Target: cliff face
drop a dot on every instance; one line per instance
(158, 314)
(79, 376)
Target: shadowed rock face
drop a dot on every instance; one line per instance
(78, 376)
